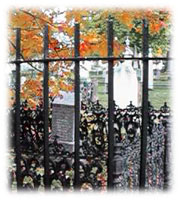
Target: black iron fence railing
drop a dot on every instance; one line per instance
(77, 58)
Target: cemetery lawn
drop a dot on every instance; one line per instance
(157, 96)
(160, 94)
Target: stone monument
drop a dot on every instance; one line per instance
(63, 120)
(125, 81)
(151, 68)
(94, 91)
(157, 69)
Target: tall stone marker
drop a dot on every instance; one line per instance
(63, 120)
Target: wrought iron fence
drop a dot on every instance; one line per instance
(143, 141)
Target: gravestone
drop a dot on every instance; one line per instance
(63, 120)
(150, 74)
(125, 81)
(157, 69)
(94, 96)
(106, 81)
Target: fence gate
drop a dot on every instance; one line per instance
(74, 170)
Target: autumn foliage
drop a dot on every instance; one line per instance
(93, 39)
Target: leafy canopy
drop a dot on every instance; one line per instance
(93, 42)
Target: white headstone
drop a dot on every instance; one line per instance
(125, 85)
(157, 68)
(141, 67)
(160, 65)
(151, 68)
(94, 88)
(125, 81)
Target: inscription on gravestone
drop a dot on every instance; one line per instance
(63, 120)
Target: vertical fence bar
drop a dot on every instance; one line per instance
(46, 110)
(166, 155)
(166, 147)
(17, 111)
(110, 105)
(166, 163)
(77, 106)
(144, 107)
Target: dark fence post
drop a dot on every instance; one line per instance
(167, 150)
(145, 110)
(166, 161)
(17, 110)
(46, 110)
(110, 105)
(144, 107)
(77, 106)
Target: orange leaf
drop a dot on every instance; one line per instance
(126, 17)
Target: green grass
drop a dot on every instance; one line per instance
(157, 96)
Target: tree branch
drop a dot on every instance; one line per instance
(41, 28)
(14, 46)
